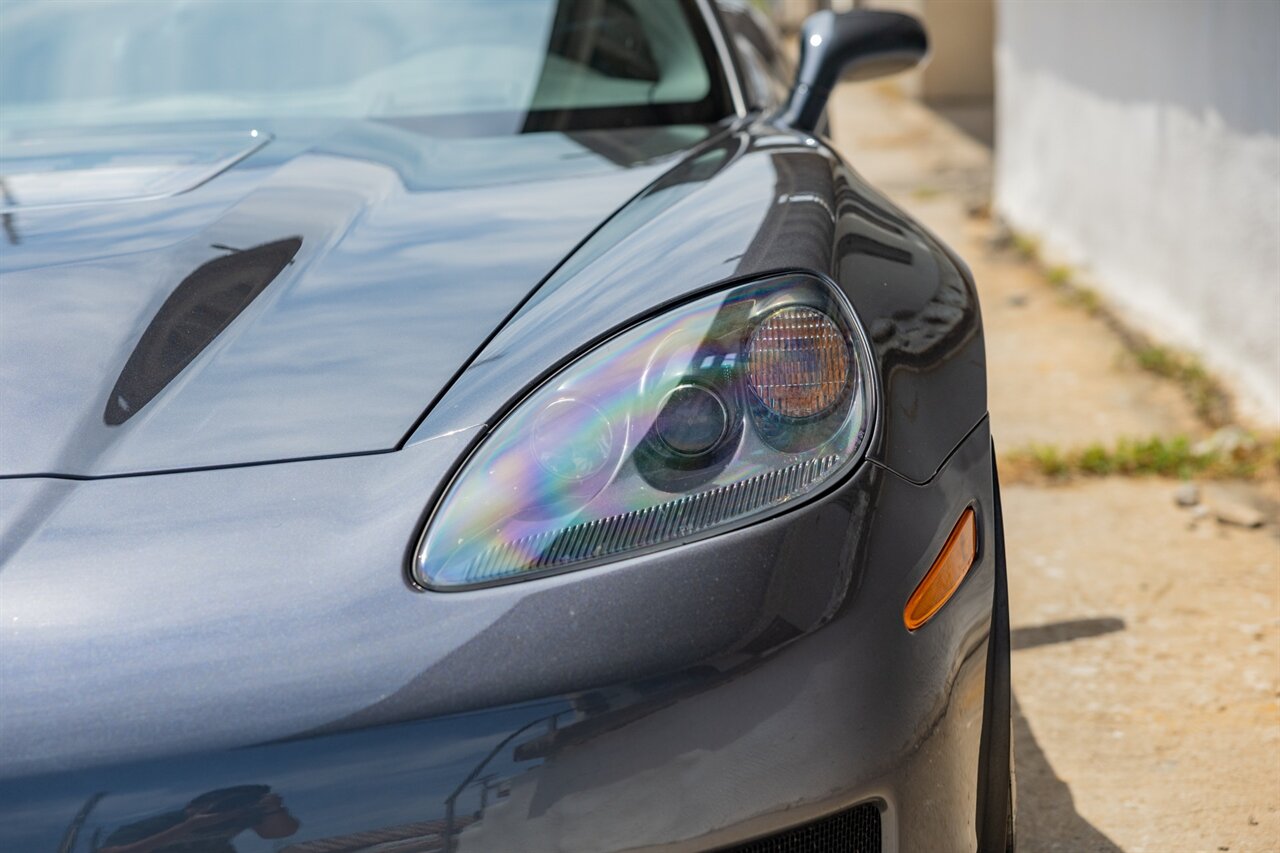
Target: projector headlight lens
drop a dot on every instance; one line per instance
(712, 414)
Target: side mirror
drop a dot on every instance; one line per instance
(870, 43)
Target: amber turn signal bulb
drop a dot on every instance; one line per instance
(946, 573)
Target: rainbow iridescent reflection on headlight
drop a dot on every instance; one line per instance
(681, 426)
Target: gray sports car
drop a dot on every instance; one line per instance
(501, 425)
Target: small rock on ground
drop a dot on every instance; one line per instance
(1188, 495)
(1237, 514)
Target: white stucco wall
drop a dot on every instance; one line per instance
(1140, 141)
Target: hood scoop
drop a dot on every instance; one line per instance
(41, 172)
(195, 313)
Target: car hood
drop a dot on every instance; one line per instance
(210, 296)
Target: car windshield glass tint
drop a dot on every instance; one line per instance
(513, 65)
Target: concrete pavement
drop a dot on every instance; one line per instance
(1147, 639)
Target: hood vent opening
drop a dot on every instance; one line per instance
(197, 311)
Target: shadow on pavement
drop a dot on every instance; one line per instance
(1062, 632)
(1047, 816)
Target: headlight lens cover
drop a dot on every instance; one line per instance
(716, 412)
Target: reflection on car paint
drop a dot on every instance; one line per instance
(407, 238)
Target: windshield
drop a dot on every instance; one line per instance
(496, 65)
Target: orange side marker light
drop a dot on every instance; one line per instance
(944, 577)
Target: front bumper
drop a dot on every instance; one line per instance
(686, 700)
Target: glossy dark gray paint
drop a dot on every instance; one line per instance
(414, 248)
(752, 220)
(760, 200)
(700, 695)
(343, 351)
(760, 678)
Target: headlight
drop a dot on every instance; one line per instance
(715, 413)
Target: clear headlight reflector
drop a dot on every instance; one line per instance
(719, 411)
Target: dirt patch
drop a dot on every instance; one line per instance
(1147, 671)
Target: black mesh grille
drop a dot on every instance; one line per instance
(855, 830)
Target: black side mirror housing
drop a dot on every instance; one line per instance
(868, 43)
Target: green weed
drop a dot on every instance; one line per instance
(1155, 456)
